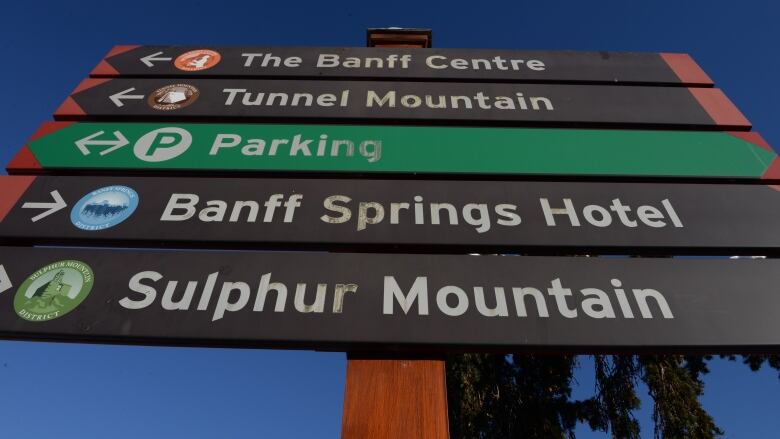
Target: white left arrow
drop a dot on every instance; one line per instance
(5, 282)
(51, 208)
(85, 143)
(153, 57)
(117, 98)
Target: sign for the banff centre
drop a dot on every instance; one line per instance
(431, 64)
(474, 103)
(317, 300)
(434, 215)
(208, 148)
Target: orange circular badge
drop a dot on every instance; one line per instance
(196, 60)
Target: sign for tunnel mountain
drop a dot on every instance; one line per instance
(544, 104)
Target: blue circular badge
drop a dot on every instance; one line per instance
(104, 208)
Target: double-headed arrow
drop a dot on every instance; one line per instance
(58, 204)
(86, 142)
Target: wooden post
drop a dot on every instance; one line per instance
(395, 398)
(390, 397)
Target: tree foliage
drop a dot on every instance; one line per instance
(534, 392)
(616, 398)
(675, 390)
(530, 396)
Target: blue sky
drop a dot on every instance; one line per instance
(127, 392)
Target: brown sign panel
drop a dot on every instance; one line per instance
(485, 65)
(411, 102)
(429, 216)
(344, 301)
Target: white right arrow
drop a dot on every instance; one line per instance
(5, 282)
(85, 143)
(116, 98)
(149, 58)
(51, 208)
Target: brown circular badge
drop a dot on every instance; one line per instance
(196, 60)
(172, 97)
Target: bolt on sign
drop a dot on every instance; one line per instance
(436, 215)
(469, 103)
(431, 64)
(311, 300)
(157, 147)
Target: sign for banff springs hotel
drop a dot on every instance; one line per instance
(317, 299)
(688, 218)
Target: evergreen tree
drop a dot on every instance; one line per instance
(509, 396)
(529, 396)
(616, 398)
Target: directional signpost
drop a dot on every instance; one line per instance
(206, 148)
(408, 64)
(474, 103)
(428, 216)
(420, 163)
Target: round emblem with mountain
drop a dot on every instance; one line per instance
(53, 291)
(104, 208)
(172, 97)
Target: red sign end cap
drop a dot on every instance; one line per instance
(687, 69)
(772, 171)
(69, 110)
(47, 128)
(14, 186)
(103, 69)
(116, 50)
(754, 138)
(24, 162)
(720, 108)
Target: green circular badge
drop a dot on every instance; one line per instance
(53, 291)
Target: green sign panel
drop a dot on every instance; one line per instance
(394, 149)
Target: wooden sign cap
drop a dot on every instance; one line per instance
(398, 37)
